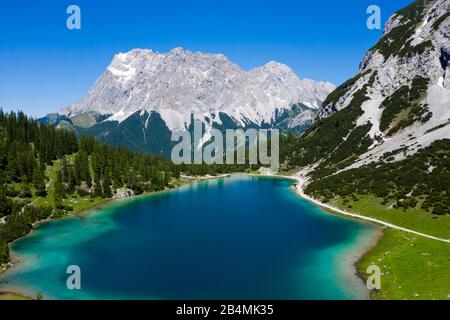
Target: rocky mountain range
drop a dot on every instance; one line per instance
(397, 104)
(143, 96)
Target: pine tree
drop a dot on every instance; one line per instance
(59, 188)
(81, 168)
(117, 178)
(3, 151)
(64, 170)
(107, 184)
(134, 184)
(85, 172)
(97, 187)
(71, 180)
(25, 190)
(12, 169)
(5, 203)
(77, 169)
(38, 181)
(4, 251)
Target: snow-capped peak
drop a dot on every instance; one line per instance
(180, 83)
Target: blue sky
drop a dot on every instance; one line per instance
(44, 66)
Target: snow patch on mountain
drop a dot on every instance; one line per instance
(417, 136)
(392, 70)
(372, 114)
(181, 83)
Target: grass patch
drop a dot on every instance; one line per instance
(413, 218)
(413, 267)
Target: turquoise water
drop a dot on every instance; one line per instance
(232, 238)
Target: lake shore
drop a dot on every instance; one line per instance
(299, 189)
(15, 260)
(377, 243)
(343, 255)
(351, 258)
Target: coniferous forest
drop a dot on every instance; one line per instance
(47, 172)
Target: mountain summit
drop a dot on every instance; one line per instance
(181, 83)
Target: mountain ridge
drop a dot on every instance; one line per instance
(195, 83)
(385, 132)
(398, 102)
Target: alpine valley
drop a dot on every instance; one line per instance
(376, 148)
(143, 96)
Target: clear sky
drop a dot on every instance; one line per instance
(44, 66)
